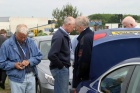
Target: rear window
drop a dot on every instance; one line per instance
(107, 54)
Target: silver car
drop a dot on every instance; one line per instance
(45, 81)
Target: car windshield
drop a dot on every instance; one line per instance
(44, 48)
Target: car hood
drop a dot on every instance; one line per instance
(44, 67)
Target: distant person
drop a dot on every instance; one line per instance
(19, 56)
(129, 22)
(9, 34)
(2, 72)
(59, 55)
(83, 51)
(3, 32)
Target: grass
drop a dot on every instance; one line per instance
(7, 87)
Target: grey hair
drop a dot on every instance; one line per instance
(22, 28)
(82, 21)
(69, 20)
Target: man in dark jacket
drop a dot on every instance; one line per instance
(2, 72)
(59, 55)
(83, 51)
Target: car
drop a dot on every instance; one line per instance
(111, 47)
(121, 78)
(45, 81)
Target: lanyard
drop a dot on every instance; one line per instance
(23, 50)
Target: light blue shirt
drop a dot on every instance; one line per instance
(74, 43)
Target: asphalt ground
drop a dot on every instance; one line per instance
(7, 87)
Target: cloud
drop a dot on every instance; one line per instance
(2, 2)
(44, 8)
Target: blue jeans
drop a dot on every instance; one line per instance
(61, 82)
(28, 85)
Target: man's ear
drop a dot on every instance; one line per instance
(132, 25)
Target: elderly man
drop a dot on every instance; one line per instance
(129, 22)
(83, 51)
(19, 56)
(59, 55)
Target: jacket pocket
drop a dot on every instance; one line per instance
(15, 73)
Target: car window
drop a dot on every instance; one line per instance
(44, 48)
(113, 82)
(108, 54)
(134, 86)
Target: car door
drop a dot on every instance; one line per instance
(116, 81)
(134, 85)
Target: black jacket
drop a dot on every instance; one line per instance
(83, 57)
(2, 39)
(59, 54)
(2, 72)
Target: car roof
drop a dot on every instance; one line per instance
(115, 34)
(49, 37)
(131, 61)
(42, 38)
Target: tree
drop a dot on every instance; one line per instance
(61, 14)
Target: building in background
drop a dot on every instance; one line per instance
(111, 25)
(47, 28)
(4, 23)
(10, 23)
(95, 25)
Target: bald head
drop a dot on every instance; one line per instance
(129, 22)
(69, 24)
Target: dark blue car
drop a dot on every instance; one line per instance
(112, 47)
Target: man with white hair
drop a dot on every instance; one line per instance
(83, 50)
(19, 56)
(59, 55)
(129, 22)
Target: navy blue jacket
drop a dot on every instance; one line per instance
(83, 57)
(59, 54)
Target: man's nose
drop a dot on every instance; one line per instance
(23, 39)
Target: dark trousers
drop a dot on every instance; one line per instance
(76, 79)
(2, 78)
(0, 74)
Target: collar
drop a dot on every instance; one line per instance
(137, 26)
(86, 30)
(64, 31)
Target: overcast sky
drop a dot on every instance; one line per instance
(44, 8)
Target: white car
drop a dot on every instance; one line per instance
(45, 81)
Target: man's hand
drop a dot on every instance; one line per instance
(18, 65)
(25, 62)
